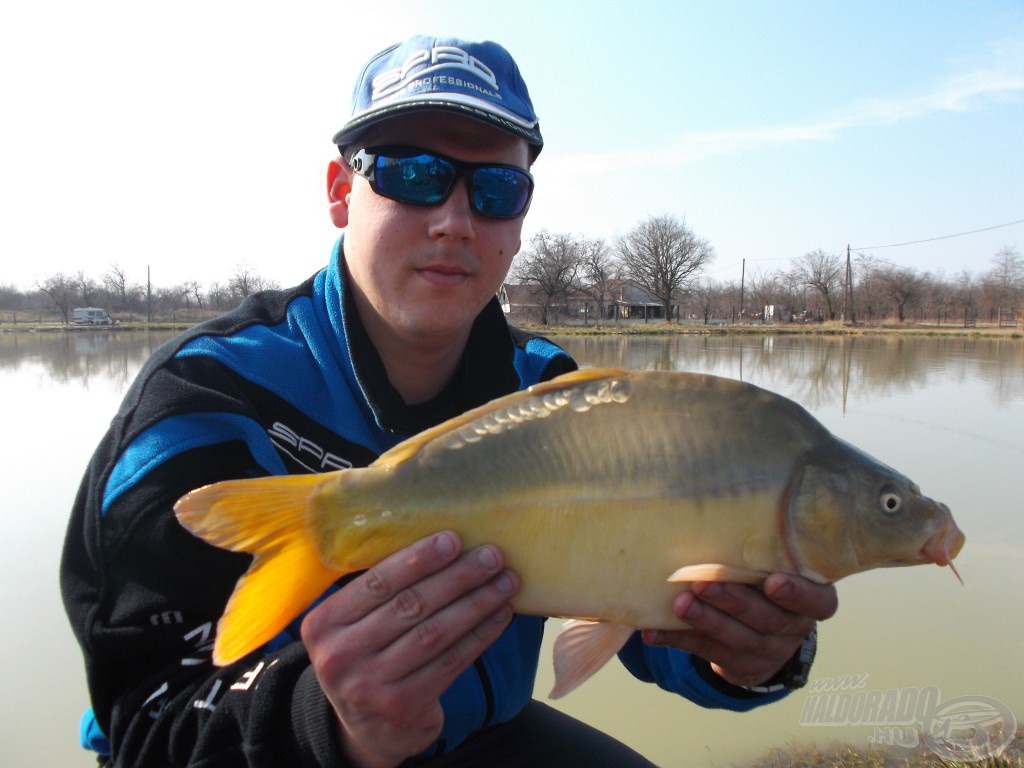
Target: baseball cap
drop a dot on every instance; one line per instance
(478, 79)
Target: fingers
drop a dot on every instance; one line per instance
(801, 596)
(441, 624)
(395, 573)
(746, 633)
(414, 605)
(390, 642)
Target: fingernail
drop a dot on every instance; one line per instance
(445, 544)
(687, 606)
(503, 615)
(652, 636)
(708, 589)
(783, 590)
(488, 558)
(505, 583)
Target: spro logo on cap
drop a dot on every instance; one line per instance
(442, 57)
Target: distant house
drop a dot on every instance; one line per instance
(628, 301)
(623, 300)
(522, 302)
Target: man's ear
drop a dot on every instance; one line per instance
(339, 187)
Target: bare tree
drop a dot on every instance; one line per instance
(86, 288)
(765, 288)
(904, 286)
(116, 282)
(664, 256)
(599, 270)
(964, 292)
(245, 282)
(195, 290)
(12, 300)
(822, 272)
(242, 283)
(63, 291)
(551, 264)
(706, 295)
(1006, 278)
(940, 295)
(217, 296)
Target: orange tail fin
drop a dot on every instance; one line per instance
(268, 517)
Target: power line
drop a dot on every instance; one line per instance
(943, 237)
(860, 249)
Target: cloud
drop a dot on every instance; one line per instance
(1001, 82)
(963, 93)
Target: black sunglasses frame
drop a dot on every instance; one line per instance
(364, 162)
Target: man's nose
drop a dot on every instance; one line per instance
(454, 217)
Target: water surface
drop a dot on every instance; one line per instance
(949, 412)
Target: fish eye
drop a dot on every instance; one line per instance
(890, 502)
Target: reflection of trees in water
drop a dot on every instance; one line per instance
(819, 370)
(81, 356)
(813, 370)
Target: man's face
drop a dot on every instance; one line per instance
(422, 274)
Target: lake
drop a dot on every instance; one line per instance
(947, 411)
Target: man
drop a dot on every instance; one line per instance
(420, 657)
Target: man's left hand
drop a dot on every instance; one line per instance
(748, 633)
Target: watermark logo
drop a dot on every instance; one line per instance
(961, 729)
(969, 728)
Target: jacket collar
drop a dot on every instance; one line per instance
(486, 370)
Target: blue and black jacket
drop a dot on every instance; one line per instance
(287, 383)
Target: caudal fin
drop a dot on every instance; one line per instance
(269, 518)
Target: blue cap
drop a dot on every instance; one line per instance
(480, 80)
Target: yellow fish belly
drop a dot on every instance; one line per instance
(598, 486)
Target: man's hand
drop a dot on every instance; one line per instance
(746, 633)
(390, 642)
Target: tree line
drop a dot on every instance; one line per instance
(561, 276)
(125, 299)
(660, 266)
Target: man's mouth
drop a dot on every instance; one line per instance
(443, 276)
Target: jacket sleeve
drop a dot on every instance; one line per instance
(144, 596)
(689, 676)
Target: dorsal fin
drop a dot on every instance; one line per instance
(413, 445)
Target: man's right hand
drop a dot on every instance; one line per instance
(390, 642)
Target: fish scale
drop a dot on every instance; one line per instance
(608, 491)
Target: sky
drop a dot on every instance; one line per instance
(191, 138)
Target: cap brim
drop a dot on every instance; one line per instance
(358, 125)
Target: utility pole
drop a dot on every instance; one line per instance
(848, 292)
(743, 275)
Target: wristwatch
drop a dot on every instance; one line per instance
(794, 673)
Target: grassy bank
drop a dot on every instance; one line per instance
(777, 329)
(45, 327)
(982, 330)
(845, 756)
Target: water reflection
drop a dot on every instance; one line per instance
(947, 411)
(82, 356)
(819, 370)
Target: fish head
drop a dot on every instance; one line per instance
(849, 513)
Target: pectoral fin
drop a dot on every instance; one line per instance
(718, 572)
(582, 648)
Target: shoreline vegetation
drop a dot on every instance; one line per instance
(832, 328)
(622, 328)
(847, 756)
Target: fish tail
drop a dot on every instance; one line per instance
(268, 517)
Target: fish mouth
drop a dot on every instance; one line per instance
(943, 545)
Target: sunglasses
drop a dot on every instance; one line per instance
(415, 176)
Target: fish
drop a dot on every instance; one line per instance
(609, 491)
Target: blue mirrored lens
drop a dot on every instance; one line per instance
(500, 192)
(421, 179)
